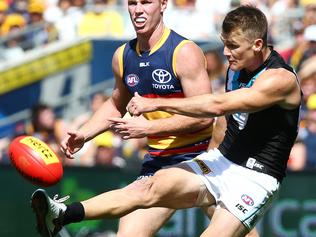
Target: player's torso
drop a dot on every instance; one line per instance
(260, 140)
(153, 74)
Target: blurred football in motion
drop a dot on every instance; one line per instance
(35, 161)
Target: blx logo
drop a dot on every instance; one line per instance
(144, 64)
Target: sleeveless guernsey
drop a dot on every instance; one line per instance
(152, 74)
(261, 141)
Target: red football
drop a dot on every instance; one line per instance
(35, 161)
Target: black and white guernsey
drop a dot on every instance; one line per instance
(262, 140)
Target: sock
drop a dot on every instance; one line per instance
(74, 213)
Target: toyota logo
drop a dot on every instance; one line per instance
(161, 76)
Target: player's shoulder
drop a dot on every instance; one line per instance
(118, 53)
(189, 49)
(279, 73)
(279, 79)
(117, 60)
(121, 48)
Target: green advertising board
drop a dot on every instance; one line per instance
(293, 213)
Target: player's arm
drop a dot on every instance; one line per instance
(275, 86)
(218, 133)
(189, 66)
(115, 106)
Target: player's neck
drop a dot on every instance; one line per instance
(259, 59)
(147, 41)
(266, 53)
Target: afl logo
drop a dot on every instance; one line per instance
(132, 79)
(247, 200)
(161, 76)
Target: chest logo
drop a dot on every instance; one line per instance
(132, 80)
(161, 76)
(144, 64)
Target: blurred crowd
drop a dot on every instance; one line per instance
(27, 24)
(107, 149)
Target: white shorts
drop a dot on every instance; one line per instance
(246, 193)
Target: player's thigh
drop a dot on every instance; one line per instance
(209, 212)
(144, 222)
(253, 233)
(179, 187)
(224, 224)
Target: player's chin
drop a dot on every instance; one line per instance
(141, 30)
(234, 66)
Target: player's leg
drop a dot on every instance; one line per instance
(253, 233)
(209, 211)
(174, 187)
(144, 222)
(224, 224)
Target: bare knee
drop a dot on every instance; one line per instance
(145, 191)
(173, 188)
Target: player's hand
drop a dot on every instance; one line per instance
(72, 143)
(138, 105)
(133, 127)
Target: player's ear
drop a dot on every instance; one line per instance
(164, 4)
(257, 45)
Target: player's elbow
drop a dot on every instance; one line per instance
(206, 122)
(214, 107)
(215, 111)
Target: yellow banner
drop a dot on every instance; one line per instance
(42, 67)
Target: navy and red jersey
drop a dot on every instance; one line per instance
(153, 74)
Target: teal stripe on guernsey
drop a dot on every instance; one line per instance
(250, 83)
(235, 83)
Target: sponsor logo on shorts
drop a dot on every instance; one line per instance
(205, 169)
(252, 163)
(132, 80)
(241, 208)
(247, 200)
